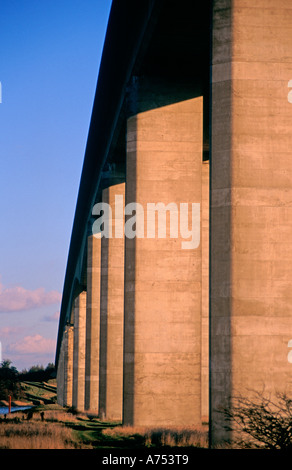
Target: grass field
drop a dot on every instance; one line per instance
(40, 393)
(54, 427)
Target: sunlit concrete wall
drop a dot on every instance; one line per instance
(112, 308)
(79, 352)
(68, 365)
(205, 292)
(61, 376)
(93, 323)
(251, 213)
(65, 369)
(163, 284)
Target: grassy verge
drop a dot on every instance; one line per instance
(50, 426)
(40, 393)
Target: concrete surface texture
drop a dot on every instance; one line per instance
(68, 365)
(251, 240)
(65, 371)
(112, 313)
(205, 293)
(92, 323)
(79, 352)
(60, 376)
(162, 281)
(172, 335)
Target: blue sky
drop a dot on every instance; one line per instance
(49, 62)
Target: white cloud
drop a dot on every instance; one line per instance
(7, 331)
(36, 344)
(15, 299)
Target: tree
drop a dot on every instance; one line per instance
(38, 373)
(261, 422)
(9, 383)
(36, 368)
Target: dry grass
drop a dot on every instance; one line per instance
(55, 432)
(16, 433)
(173, 437)
(57, 416)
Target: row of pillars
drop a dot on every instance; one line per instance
(137, 349)
(164, 337)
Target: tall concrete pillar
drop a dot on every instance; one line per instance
(61, 376)
(68, 366)
(92, 323)
(162, 357)
(251, 203)
(112, 309)
(79, 352)
(205, 292)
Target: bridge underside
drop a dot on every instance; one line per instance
(181, 119)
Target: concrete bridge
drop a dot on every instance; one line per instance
(190, 108)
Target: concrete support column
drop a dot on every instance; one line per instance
(68, 366)
(162, 357)
(112, 309)
(205, 292)
(251, 203)
(79, 351)
(61, 375)
(92, 323)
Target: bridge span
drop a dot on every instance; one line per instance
(177, 293)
